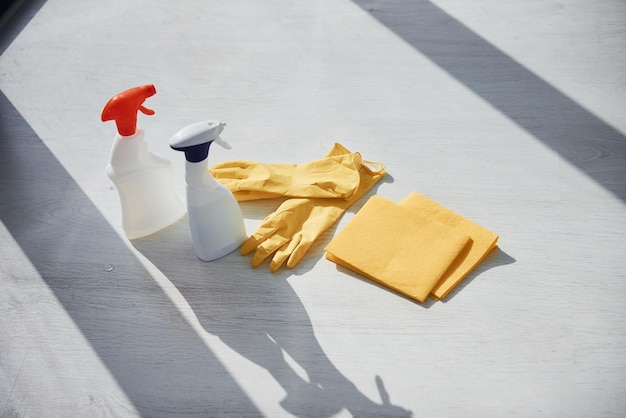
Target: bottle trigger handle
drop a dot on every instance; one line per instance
(222, 143)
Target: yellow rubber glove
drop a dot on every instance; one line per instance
(289, 232)
(334, 176)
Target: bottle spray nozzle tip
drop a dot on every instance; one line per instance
(222, 143)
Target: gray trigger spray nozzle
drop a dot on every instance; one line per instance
(195, 139)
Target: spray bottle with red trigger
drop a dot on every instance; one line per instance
(144, 180)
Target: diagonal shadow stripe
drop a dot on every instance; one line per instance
(154, 354)
(15, 18)
(577, 135)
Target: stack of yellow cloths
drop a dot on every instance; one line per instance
(417, 247)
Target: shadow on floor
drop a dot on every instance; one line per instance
(578, 136)
(259, 315)
(157, 358)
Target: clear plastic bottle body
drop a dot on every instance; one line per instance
(145, 185)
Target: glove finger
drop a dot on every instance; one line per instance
(231, 183)
(233, 164)
(267, 248)
(298, 253)
(337, 149)
(245, 195)
(229, 173)
(263, 232)
(284, 252)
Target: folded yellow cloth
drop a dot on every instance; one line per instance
(397, 247)
(483, 240)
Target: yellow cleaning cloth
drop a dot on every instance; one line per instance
(397, 247)
(483, 240)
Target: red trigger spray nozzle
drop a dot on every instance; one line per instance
(123, 108)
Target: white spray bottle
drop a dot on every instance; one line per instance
(144, 180)
(215, 218)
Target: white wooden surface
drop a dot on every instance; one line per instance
(510, 113)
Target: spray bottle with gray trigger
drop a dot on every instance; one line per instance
(215, 218)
